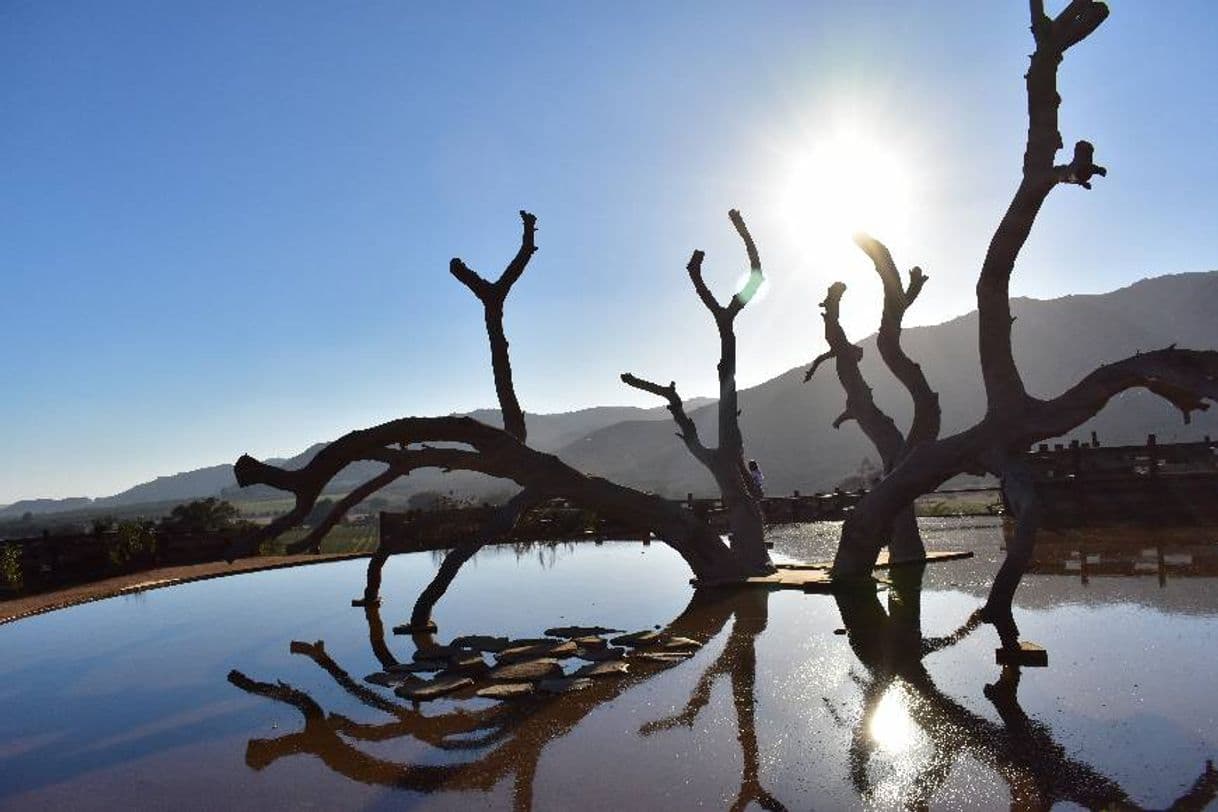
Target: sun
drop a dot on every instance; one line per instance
(841, 185)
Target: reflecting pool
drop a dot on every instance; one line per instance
(250, 691)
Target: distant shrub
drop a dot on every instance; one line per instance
(10, 567)
(131, 541)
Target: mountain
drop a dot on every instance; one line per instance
(787, 423)
(547, 432)
(37, 507)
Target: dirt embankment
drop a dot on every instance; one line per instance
(18, 608)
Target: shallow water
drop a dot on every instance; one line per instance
(125, 702)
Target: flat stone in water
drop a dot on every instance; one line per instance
(506, 690)
(590, 641)
(529, 670)
(564, 685)
(598, 655)
(439, 652)
(552, 648)
(579, 631)
(634, 639)
(532, 641)
(481, 642)
(615, 668)
(467, 664)
(661, 657)
(416, 667)
(681, 644)
(434, 689)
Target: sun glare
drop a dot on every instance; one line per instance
(890, 726)
(839, 186)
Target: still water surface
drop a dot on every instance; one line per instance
(126, 702)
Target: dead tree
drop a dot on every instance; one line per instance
(905, 542)
(739, 492)
(410, 443)
(1015, 420)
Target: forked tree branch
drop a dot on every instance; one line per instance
(897, 299)
(860, 404)
(492, 295)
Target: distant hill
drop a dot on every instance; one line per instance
(787, 424)
(547, 432)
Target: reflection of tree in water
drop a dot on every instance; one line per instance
(506, 740)
(1038, 770)
(737, 661)
(548, 552)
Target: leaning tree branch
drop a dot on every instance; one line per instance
(491, 451)
(897, 299)
(492, 295)
(1185, 378)
(688, 430)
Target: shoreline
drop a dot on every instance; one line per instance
(20, 608)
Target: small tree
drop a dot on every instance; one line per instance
(208, 515)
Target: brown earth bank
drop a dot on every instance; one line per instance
(27, 606)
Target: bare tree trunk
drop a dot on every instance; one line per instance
(740, 496)
(904, 539)
(1014, 420)
(1021, 496)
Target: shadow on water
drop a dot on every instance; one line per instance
(481, 745)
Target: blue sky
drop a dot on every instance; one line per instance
(226, 227)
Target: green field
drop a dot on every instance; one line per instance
(344, 538)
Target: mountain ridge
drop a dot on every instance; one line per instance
(786, 423)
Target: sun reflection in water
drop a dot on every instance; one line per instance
(890, 726)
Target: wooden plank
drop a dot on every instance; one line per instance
(882, 562)
(815, 577)
(1028, 654)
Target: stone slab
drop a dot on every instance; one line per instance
(554, 648)
(599, 655)
(580, 631)
(636, 639)
(434, 689)
(481, 642)
(526, 671)
(612, 668)
(506, 690)
(564, 685)
(416, 667)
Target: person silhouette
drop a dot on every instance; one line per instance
(758, 477)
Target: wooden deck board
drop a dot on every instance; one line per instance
(815, 576)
